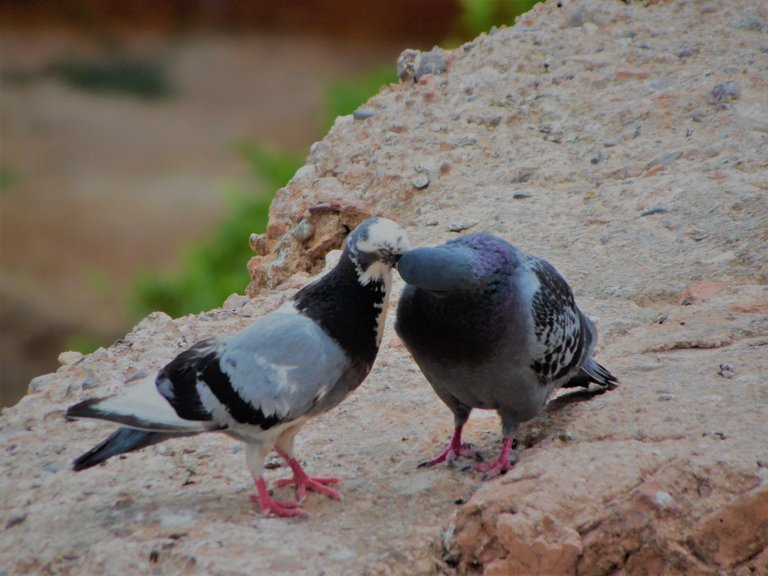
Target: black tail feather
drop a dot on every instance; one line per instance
(119, 442)
(593, 372)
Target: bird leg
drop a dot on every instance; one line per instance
(304, 481)
(267, 505)
(502, 464)
(454, 450)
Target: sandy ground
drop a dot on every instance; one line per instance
(626, 144)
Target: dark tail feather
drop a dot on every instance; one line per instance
(593, 372)
(121, 441)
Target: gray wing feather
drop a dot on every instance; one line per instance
(564, 337)
(283, 364)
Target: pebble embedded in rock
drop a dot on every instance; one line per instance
(363, 113)
(420, 181)
(460, 227)
(413, 64)
(724, 93)
(725, 370)
(303, 231)
(653, 211)
(258, 243)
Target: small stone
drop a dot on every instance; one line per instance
(666, 397)
(258, 243)
(460, 227)
(363, 113)
(577, 17)
(90, 383)
(466, 141)
(431, 223)
(520, 195)
(138, 375)
(609, 143)
(413, 64)
(724, 93)
(70, 357)
(663, 499)
(15, 521)
(40, 383)
(698, 234)
(303, 231)
(653, 211)
(725, 370)
(565, 436)
(319, 151)
(421, 181)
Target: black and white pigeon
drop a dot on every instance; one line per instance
(493, 328)
(260, 385)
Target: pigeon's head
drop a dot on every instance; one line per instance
(465, 264)
(374, 247)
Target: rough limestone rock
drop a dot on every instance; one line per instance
(627, 143)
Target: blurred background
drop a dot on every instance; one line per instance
(141, 143)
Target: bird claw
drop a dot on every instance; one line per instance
(450, 455)
(493, 469)
(305, 482)
(279, 508)
(503, 464)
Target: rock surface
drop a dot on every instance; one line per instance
(624, 142)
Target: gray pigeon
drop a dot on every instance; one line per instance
(262, 384)
(493, 328)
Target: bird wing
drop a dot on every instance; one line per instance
(564, 337)
(274, 371)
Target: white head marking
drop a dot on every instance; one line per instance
(374, 250)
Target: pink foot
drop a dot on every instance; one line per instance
(304, 482)
(455, 450)
(501, 465)
(277, 507)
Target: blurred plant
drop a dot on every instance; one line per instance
(214, 267)
(141, 77)
(479, 16)
(345, 96)
(84, 344)
(8, 178)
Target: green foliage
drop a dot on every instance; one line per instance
(8, 178)
(345, 96)
(214, 267)
(84, 344)
(272, 168)
(479, 16)
(143, 78)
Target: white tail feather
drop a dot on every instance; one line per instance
(141, 407)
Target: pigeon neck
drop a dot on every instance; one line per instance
(351, 313)
(456, 328)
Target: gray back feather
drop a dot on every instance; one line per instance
(283, 364)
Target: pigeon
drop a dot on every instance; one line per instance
(493, 328)
(260, 385)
